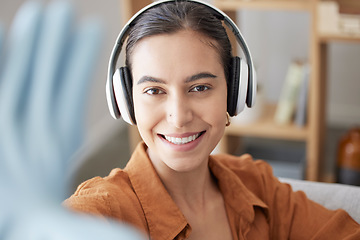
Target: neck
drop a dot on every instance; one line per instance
(190, 189)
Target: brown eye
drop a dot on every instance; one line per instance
(199, 88)
(153, 91)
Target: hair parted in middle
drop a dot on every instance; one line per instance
(171, 17)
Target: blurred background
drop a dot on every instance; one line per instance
(277, 38)
(100, 127)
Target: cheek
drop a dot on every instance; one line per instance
(140, 110)
(142, 124)
(146, 115)
(214, 110)
(217, 113)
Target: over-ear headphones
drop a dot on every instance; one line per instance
(241, 85)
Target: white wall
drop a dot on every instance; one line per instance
(276, 38)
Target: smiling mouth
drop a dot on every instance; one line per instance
(185, 140)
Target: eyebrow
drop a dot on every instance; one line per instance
(189, 79)
(200, 76)
(144, 79)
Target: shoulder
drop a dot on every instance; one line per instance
(111, 196)
(98, 186)
(256, 175)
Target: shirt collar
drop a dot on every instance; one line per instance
(164, 218)
(235, 193)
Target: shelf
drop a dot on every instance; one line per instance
(326, 38)
(297, 5)
(267, 128)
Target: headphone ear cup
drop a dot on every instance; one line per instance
(233, 86)
(237, 86)
(122, 83)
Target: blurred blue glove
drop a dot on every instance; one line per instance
(43, 87)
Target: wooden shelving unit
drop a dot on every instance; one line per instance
(266, 128)
(314, 133)
(328, 38)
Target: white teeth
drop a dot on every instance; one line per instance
(184, 140)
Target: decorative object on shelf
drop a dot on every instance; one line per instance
(333, 21)
(290, 92)
(328, 21)
(302, 101)
(349, 24)
(348, 162)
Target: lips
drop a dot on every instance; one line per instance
(182, 140)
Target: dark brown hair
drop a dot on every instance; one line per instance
(172, 17)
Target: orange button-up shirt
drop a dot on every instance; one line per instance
(258, 206)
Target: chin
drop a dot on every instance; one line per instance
(186, 163)
(183, 168)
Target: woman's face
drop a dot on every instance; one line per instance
(179, 92)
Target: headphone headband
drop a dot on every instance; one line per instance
(251, 91)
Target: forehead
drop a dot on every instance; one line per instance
(183, 51)
(185, 36)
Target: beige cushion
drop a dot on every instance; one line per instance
(330, 195)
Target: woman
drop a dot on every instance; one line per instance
(179, 58)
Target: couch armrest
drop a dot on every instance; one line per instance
(330, 195)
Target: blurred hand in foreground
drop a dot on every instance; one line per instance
(44, 80)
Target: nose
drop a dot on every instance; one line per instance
(179, 111)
